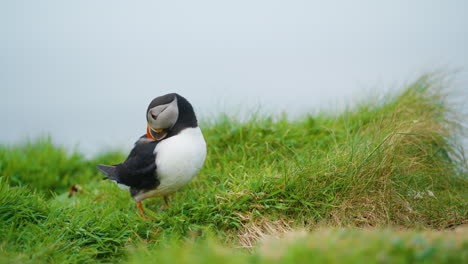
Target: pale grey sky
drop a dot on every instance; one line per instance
(78, 69)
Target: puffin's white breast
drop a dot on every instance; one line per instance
(178, 159)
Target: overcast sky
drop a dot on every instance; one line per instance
(80, 69)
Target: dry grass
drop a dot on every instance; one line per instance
(254, 231)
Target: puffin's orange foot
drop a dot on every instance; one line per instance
(165, 205)
(140, 209)
(166, 200)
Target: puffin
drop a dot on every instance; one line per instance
(167, 157)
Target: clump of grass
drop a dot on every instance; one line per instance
(30, 208)
(48, 168)
(364, 167)
(388, 163)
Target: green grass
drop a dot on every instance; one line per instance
(376, 183)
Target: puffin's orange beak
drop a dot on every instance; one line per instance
(148, 132)
(155, 134)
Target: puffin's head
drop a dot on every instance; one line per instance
(168, 114)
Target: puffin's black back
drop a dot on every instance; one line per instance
(139, 169)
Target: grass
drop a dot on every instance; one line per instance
(382, 182)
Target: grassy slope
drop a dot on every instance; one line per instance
(383, 164)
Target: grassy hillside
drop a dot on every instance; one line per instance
(351, 182)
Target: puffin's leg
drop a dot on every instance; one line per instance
(140, 209)
(166, 200)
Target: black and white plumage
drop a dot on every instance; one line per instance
(167, 157)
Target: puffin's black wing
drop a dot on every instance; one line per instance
(139, 169)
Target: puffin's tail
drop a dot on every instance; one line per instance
(110, 171)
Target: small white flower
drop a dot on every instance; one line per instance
(408, 207)
(430, 193)
(419, 195)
